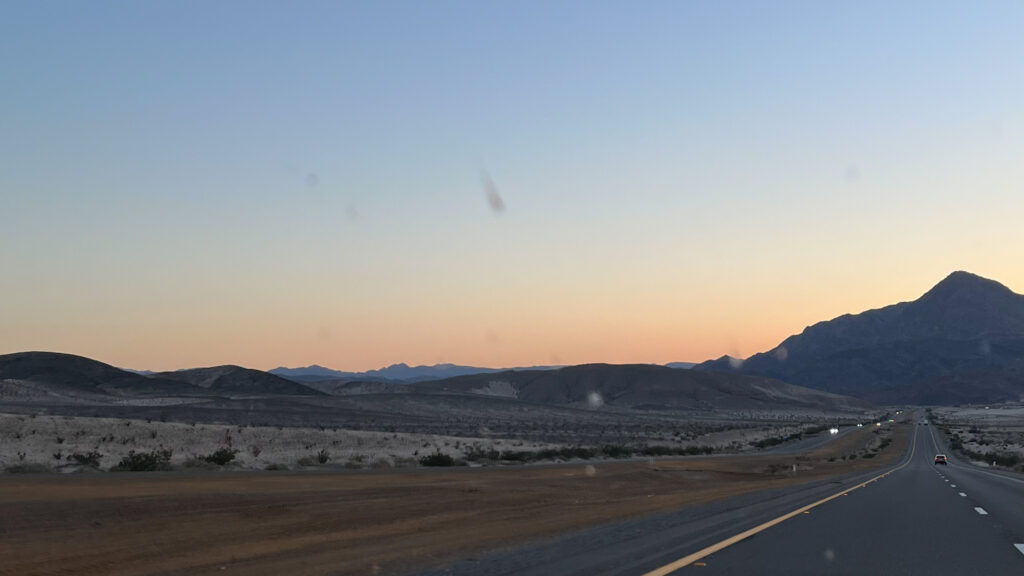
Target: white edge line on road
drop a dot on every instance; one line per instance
(980, 510)
(687, 560)
(1019, 547)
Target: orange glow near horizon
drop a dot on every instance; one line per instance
(658, 328)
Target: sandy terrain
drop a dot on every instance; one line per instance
(368, 522)
(46, 442)
(987, 436)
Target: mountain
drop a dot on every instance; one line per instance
(238, 380)
(312, 373)
(681, 365)
(395, 373)
(641, 387)
(961, 342)
(41, 374)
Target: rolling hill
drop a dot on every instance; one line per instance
(641, 387)
(237, 380)
(66, 375)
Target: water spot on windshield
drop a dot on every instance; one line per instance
(491, 190)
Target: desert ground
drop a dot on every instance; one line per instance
(364, 522)
(986, 435)
(41, 443)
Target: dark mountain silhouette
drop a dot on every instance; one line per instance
(961, 342)
(70, 375)
(237, 380)
(400, 372)
(640, 386)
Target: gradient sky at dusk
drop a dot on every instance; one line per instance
(192, 183)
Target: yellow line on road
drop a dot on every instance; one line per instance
(700, 554)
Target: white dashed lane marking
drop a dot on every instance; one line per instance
(980, 511)
(1019, 547)
(964, 495)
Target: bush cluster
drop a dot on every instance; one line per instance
(91, 459)
(583, 453)
(144, 461)
(221, 457)
(437, 459)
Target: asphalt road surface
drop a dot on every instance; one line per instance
(913, 518)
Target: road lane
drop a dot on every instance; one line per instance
(1000, 494)
(911, 522)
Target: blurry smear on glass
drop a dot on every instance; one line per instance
(493, 198)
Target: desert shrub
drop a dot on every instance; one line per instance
(306, 461)
(475, 454)
(437, 459)
(616, 451)
(31, 468)
(91, 459)
(275, 467)
(255, 451)
(323, 456)
(144, 461)
(221, 457)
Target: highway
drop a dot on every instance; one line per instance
(913, 518)
(921, 519)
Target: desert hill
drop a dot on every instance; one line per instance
(235, 380)
(56, 374)
(640, 387)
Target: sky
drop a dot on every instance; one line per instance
(356, 184)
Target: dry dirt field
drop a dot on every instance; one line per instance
(365, 522)
(47, 442)
(985, 435)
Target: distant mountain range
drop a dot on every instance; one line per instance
(641, 387)
(961, 342)
(395, 373)
(52, 379)
(404, 373)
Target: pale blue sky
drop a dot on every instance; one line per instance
(188, 183)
